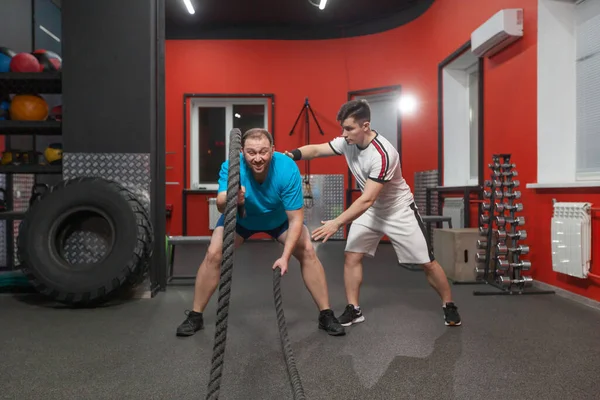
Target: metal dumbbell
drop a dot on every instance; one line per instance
(501, 207)
(505, 264)
(482, 244)
(502, 221)
(497, 174)
(512, 184)
(483, 231)
(508, 166)
(525, 281)
(507, 195)
(486, 206)
(502, 249)
(484, 219)
(487, 183)
(501, 264)
(479, 272)
(520, 235)
(480, 257)
(501, 234)
(487, 194)
(504, 280)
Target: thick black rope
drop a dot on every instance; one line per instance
(233, 184)
(285, 341)
(231, 208)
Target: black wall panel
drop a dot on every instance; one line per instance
(108, 66)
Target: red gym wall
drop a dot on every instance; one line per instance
(409, 56)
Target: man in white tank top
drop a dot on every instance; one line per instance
(385, 207)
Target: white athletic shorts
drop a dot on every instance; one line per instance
(404, 228)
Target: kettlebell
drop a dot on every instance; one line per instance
(37, 191)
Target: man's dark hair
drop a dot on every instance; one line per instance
(357, 109)
(256, 133)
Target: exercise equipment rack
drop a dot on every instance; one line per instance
(500, 264)
(306, 108)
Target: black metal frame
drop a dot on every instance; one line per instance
(457, 53)
(158, 272)
(367, 92)
(186, 96)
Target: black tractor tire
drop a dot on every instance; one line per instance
(83, 240)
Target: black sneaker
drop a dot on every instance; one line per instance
(451, 316)
(351, 316)
(194, 322)
(330, 324)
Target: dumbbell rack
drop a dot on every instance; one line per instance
(500, 264)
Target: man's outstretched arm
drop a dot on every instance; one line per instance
(358, 207)
(311, 151)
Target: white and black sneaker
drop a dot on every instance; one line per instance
(451, 315)
(351, 315)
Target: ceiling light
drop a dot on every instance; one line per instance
(189, 6)
(407, 104)
(318, 3)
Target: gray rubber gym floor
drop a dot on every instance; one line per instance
(509, 347)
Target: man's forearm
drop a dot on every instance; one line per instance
(357, 208)
(309, 151)
(221, 204)
(293, 234)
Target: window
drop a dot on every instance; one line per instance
(568, 80)
(211, 121)
(460, 126)
(587, 68)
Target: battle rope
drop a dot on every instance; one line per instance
(231, 208)
(233, 184)
(285, 341)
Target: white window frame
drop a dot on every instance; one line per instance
(228, 103)
(474, 154)
(557, 98)
(457, 153)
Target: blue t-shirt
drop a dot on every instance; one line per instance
(266, 203)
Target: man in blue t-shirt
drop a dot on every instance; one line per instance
(271, 193)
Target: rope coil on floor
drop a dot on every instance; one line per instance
(233, 185)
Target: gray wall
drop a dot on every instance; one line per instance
(15, 25)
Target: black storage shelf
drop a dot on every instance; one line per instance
(12, 215)
(14, 83)
(45, 128)
(30, 169)
(31, 82)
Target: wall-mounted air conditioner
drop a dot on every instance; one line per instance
(505, 27)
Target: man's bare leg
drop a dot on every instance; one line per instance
(437, 279)
(315, 281)
(353, 275)
(313, 272)
(207, 280)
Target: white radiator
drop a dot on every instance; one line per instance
(213, 213)
(572, 239)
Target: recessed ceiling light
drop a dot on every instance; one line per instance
(189, 6)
